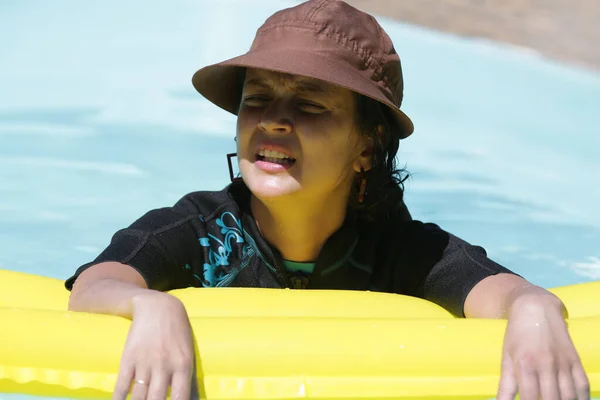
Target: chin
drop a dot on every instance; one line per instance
(270, 186)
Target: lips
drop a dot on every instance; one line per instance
(275, 155)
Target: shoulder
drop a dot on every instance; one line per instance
(403, 252)
(194, 208)
(208, 204)
(421, 259)
(411, 237)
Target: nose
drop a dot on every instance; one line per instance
(277, 118)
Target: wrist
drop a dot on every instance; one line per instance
(534, 300)
(150, 300)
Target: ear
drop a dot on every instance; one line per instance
(365, 160)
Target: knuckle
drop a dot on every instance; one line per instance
(161, 355)
(584, 386)
(568, 394)
(183, 363)
(156, 395)
(582, 383)
(160, 371)
(120, 392)
(507, 387)
(122, 386)
(525, 363)
(530, 362)
(547, 359)
(160, 360)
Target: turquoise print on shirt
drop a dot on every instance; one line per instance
(215, 271)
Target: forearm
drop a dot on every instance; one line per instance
(106, 296)
(111, 288)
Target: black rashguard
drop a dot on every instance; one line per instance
(210, 239)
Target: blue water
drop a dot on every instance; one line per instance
(99, 123)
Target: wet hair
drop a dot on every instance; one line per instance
(385, 181)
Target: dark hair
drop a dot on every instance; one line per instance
(385, 182)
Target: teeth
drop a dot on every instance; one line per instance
(282, 161)
(272, 154)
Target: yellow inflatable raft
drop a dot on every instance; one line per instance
(277, 344)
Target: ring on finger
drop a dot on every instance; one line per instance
(141, 382)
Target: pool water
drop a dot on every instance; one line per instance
(99, 123)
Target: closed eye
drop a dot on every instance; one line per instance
(310, 107)
(255, 101)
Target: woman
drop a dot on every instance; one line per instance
(319, 205)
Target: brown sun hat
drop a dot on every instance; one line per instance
(322, 39)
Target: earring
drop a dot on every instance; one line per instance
(363, 186)
(229, 164)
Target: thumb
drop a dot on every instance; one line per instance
(508, 386)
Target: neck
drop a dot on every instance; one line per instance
(298, 227)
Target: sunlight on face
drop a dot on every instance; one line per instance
(297, 136)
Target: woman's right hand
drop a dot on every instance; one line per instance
(159, 352)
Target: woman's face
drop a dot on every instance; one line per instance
(297, 135)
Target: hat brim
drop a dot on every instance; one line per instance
(222, 83)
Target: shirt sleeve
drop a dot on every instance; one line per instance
(161, 246)
(460, 268)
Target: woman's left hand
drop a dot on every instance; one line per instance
(539, 359)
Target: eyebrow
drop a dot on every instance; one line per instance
(302, 86)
